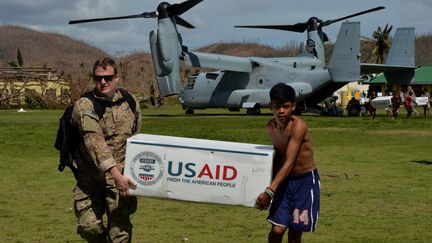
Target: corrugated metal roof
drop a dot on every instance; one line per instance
(423, 75)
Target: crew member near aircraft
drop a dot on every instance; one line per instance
(101, 186)
(294, 191)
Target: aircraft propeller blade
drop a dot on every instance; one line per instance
(167, 9)
(300, 27)
(328, 22)
(312, 22)
(180, 8)
(184, 23)
(325, 37)
(142, 15)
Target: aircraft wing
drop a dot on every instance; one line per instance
(369, 68)
(217, 61)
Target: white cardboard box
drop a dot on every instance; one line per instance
(197, 169)
(382, 102)
(419, 101)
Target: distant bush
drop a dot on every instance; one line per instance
(33, 100)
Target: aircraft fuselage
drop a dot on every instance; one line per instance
(231, 89)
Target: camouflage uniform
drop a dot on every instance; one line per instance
(104, 146)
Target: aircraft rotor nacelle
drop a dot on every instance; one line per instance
(165, 46)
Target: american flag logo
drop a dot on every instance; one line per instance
(146, 177)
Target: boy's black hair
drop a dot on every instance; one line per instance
(281, 93)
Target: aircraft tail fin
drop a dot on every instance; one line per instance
(402, 53)
(344, 65)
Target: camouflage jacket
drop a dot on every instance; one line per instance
(104, 139)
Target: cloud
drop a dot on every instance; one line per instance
(214, 20)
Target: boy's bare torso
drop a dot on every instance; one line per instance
(281, 137)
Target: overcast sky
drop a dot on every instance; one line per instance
(213, 19)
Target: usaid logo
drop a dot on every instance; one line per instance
(146, 168)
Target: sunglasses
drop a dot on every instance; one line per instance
(107, 78)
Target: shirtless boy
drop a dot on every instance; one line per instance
(294, 191)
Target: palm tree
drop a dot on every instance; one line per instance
(382, 45)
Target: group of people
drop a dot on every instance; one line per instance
(293, 195)
(406, 99)
(353, 108)
(409, 101)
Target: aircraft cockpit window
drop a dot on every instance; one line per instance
(211, 76)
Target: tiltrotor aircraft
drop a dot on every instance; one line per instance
(244, 82)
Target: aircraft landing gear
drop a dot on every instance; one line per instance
(254, 111)
(189, 111)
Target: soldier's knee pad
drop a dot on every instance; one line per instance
(92, 230)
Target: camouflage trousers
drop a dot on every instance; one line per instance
(90, 206)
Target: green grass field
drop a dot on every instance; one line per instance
(376, 178)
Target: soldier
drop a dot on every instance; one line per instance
(294, 191)
(330, 108)
(101, 186)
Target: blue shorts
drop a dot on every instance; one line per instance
(296, 202)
